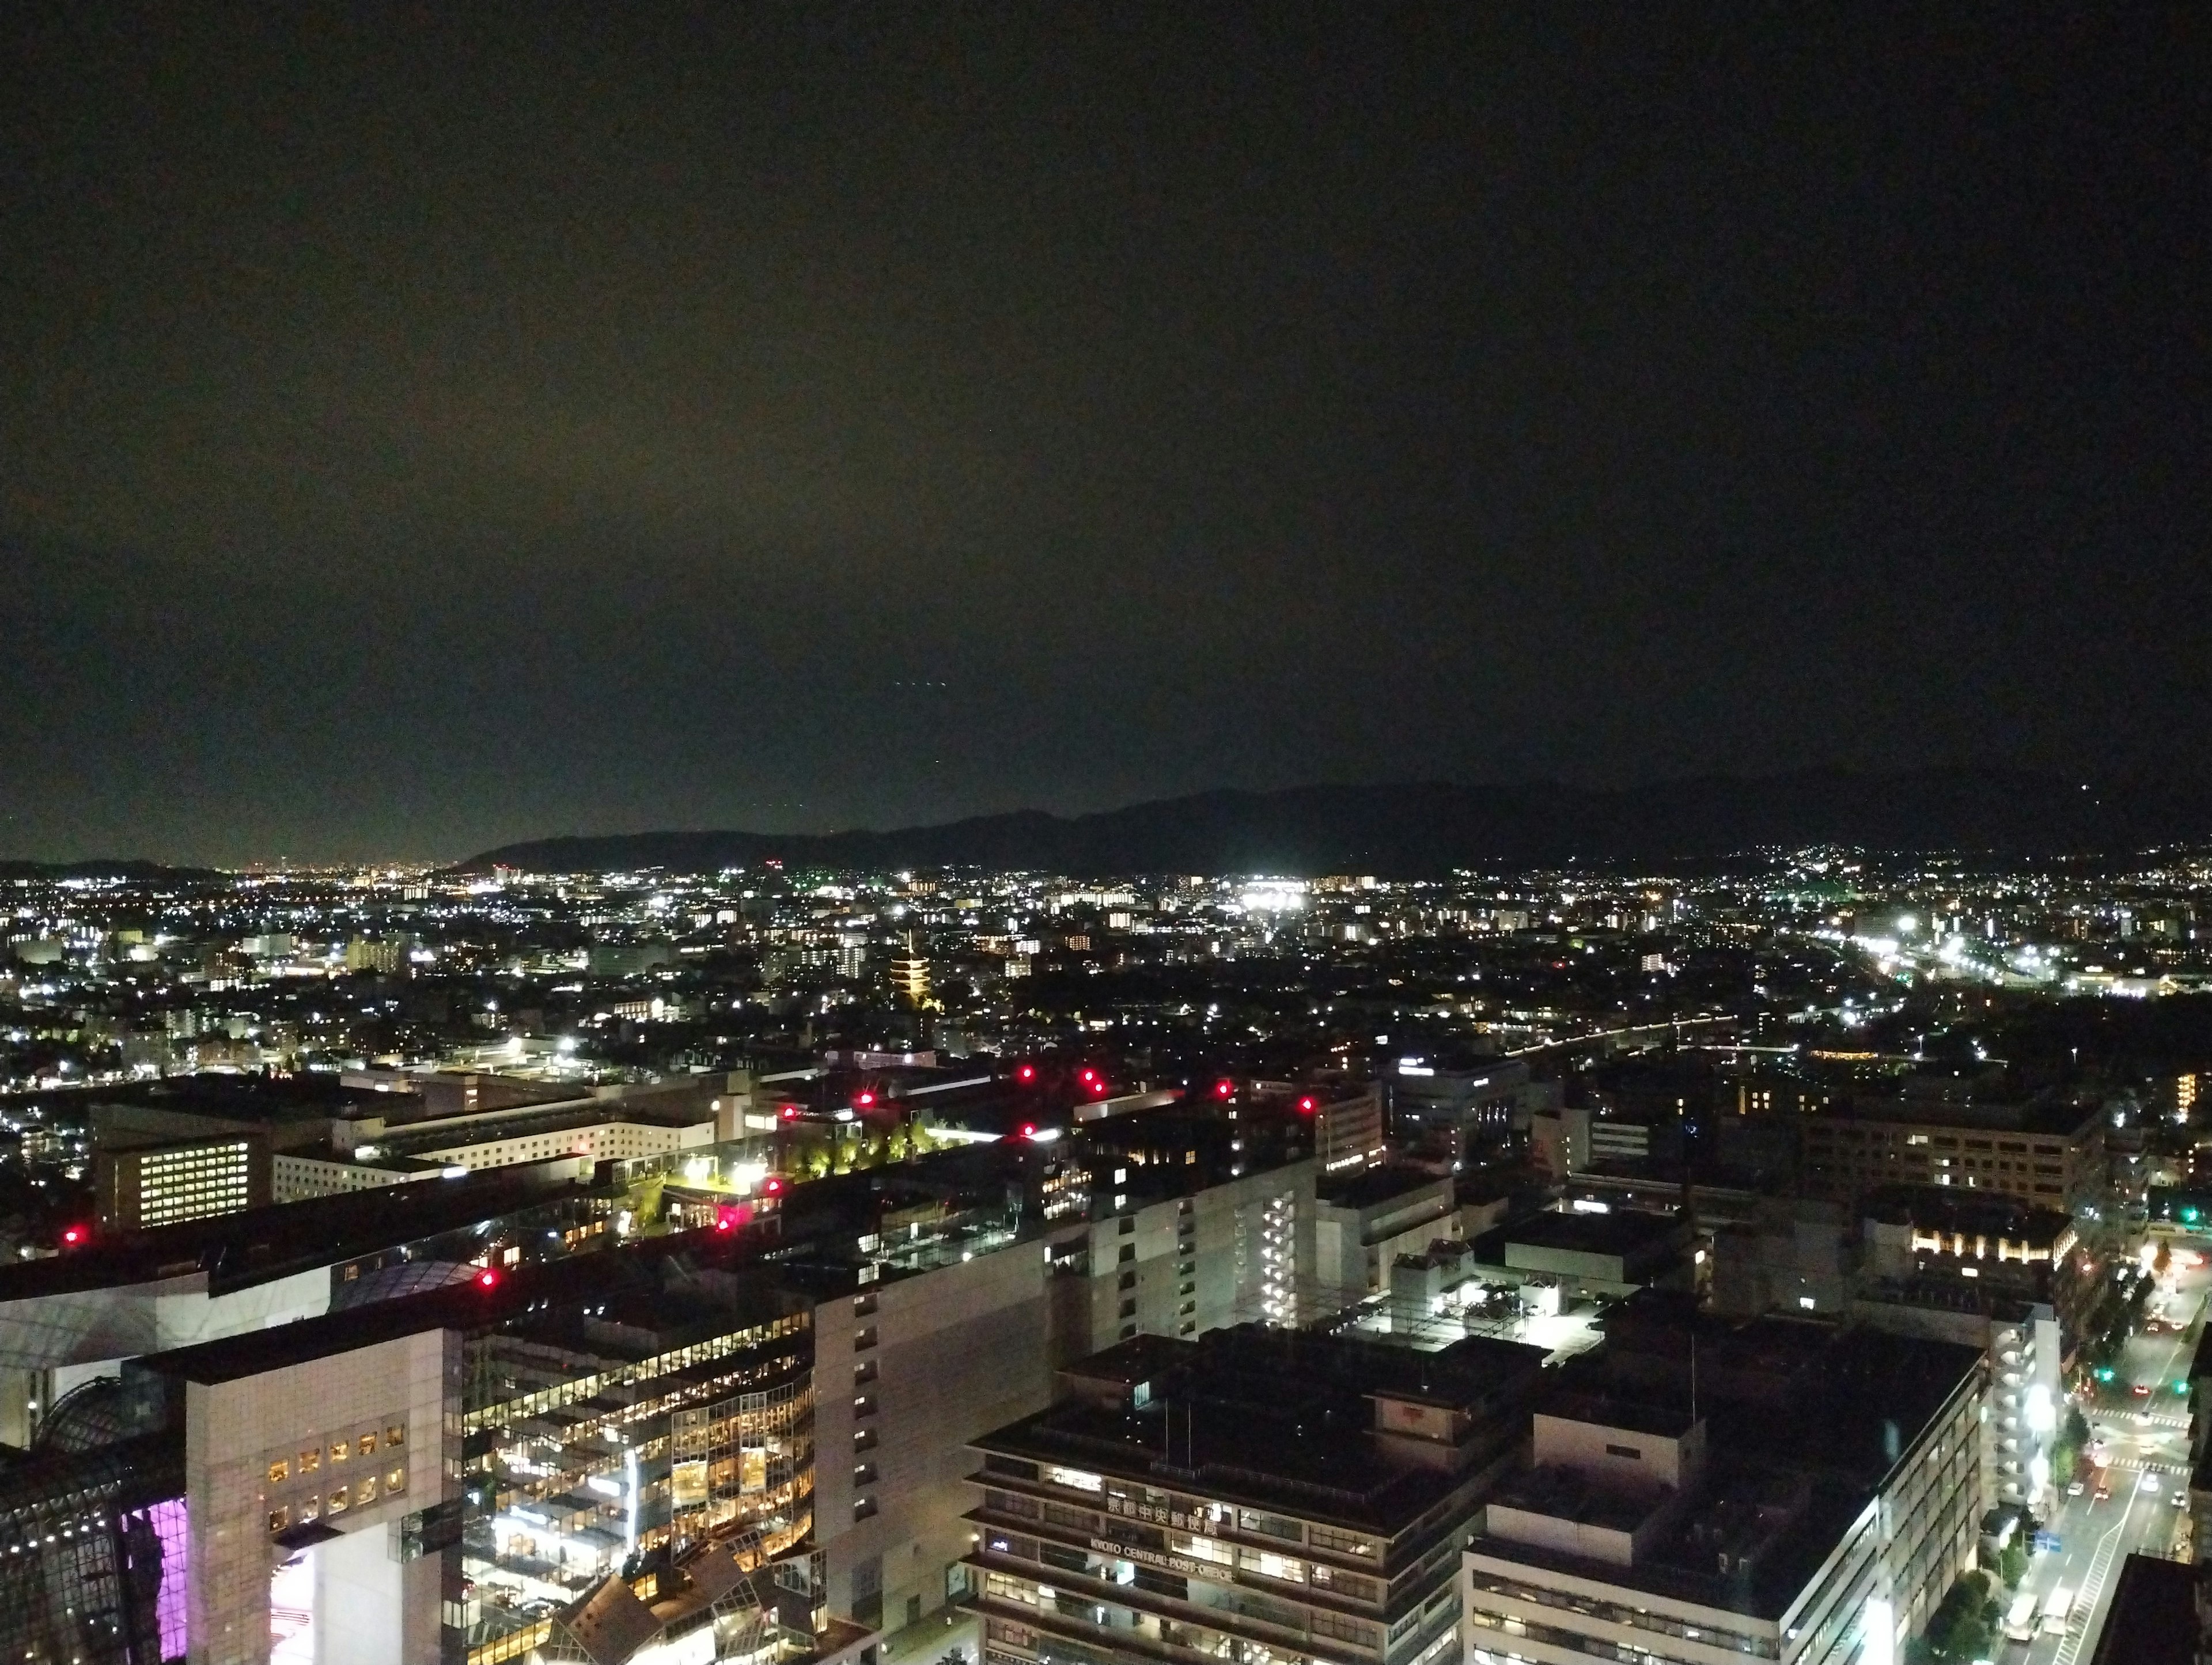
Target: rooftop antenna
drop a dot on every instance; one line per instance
(1693, 1369)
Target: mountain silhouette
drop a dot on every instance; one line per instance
(1426, 828)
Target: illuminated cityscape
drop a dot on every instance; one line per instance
(659, 1263)
(840, 834)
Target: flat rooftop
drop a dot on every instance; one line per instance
(1274, 1420)
(690, 1283)
(1622, 1231)
(1370, 1186)
(2152, 1617)
(257, 1245)
(2049, 1121)
(1949, 1208)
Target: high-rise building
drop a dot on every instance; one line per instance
(1782, 1489)
(2051, 1157)
(1255, 1495)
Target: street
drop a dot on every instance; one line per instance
(2143, 1436)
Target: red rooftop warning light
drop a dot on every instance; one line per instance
(1223, 1089)
(1026, 1072)
(76, 1236)
(773, 1184)
(487, 1278)
(1029, 1130)
(865, 1100)
(1307, 1106)
(791, 1113)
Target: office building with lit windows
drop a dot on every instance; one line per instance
(1262, 1496)
(981, 1269)
(1698, 1490)
(2047, 1156)
(465, 1420)
(142, 1186)
(602, 1460)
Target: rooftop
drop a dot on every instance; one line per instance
(256, 1245)
(1276, 1419)
(2152, 1619)
(683, 1280)
(1366, 1186)
(2050, 1119)
(1948, 1208)
(1620, 1231)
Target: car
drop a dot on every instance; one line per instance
(2103, 1491)
(2150, 1483)
(2140, 1390)
(2075, 1488)
(2180, 1497)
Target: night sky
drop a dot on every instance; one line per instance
(422, 428)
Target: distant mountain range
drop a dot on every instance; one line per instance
(1427, 828)
(132, 871)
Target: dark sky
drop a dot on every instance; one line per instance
(423, 427)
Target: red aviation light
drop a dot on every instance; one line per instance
(1307, 1106)
(76, 1236)
(1029, 1130)
(773, 1184)
(865, 1100)
(1223, 1089)
(1026, 1072)
(791, 1113)
(487, 1278)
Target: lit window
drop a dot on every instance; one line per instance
(395, 1479)
(279, 1471)
(368, 1445)
(337, 1503)
(340, 1450)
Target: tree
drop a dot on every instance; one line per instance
(1964, 1623)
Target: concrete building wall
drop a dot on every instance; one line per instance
(1846, 1156)
(1623, 1456)
(296, 1178)
(955, 1352)
(966, 1348)
(1353, 1248)
(1196, 1263)
(244, 1462)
